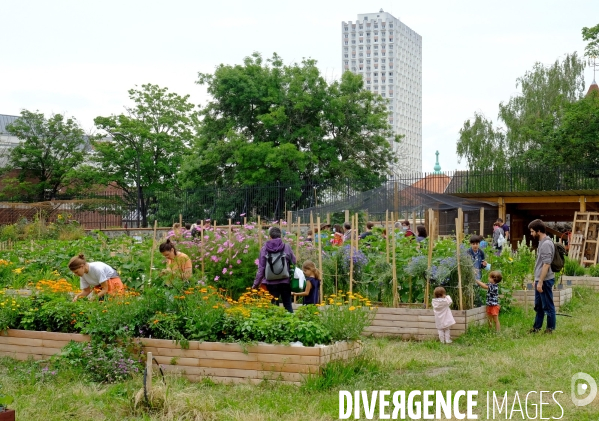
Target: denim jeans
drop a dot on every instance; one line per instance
(283, 293)
(544, 305)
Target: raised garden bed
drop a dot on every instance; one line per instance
(560, 297)
(586, 281)
(419, 324)
(220, 362)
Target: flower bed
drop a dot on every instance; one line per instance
(524, 297)
(220, 362)
(419, 324)
(586, 281)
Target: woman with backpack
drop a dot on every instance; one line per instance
(274, 269)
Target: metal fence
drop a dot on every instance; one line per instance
(405, 195)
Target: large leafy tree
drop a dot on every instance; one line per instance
(269, 122)
(48, 151)
(591, 35)
(145, 146)
(526, 121)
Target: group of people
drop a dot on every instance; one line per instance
(544, 279)
(274, 274)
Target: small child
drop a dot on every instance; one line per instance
(477, 255)
(312, 291)
(492, 298)
(443, 317)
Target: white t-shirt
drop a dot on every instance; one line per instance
(98, 273)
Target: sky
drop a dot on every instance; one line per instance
(80, 57)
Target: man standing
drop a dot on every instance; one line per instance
(544, 278)
(505, 228)
(273, 253)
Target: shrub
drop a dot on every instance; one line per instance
(345, 320)
(573, 268)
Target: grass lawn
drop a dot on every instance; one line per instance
(512, 361)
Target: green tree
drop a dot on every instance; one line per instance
(525, 121)
(591, 35)
(48, 151)
(275, 123)
(146, 145)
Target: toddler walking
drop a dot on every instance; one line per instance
(443, 317)
(492, 298)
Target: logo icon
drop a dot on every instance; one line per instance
(582, 384)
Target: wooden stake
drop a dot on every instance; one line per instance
(202, 246)
(259, 226)
(431, 244)
(320, 259)
(153, 248)
(388, 233)
(347, 216)
(229, 240)
(482, 222)
(394, 272)
(458, 241)
(297, 241)
(351, 265)
(245, 221)
(149, 371)
(328, 219)
(181, 221)
(312, 228)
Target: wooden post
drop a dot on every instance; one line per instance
(458, 236)
(229, 240)
(297, 241)
(289, 219)
(388, 233)
(414, 222)
(259, 226)
(482, 222)
(312, 228)
(431, 244)
(245, 220)
(320, 258)
(181, 221)
(153, 248)
(583, 204)
(351, 265)
(149, 372)
(328, 219)
(347, 216)
(202, 241)
(394, 273)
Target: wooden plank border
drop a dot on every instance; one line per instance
(220, 362)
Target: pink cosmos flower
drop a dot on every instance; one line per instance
(238, 261)
(224, 270)
(214, 258)
(216, 278)
(242, 215)
(220, 250)
(257, 262)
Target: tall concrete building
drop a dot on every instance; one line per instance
(388, 55)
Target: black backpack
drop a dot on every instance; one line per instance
(276, 266)
(559, 257)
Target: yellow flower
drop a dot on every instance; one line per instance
(352, 308)
(338, 304)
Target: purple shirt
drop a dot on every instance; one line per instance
(273, 246)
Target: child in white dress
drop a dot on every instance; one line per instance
(443, 317)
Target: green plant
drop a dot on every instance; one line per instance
(594, 270)
(573, 268)
(346, 320)
(100, 362)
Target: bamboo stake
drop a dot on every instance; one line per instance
(347, 216)
(202, 246)
(328, 219)
(229, 240)
(351, 265)
(297, 241)
(149, 371)
(388, 233)
(320, 259)
(259, 226)
(482, 222)
(181, 220)
(457, 234)
(153, 248)
(312, 227)
(394, 272)
(245, 221)
(431, 244)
